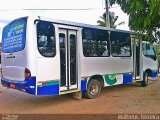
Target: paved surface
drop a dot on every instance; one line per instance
(118, 99)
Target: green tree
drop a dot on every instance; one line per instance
(112, 19)
(144, 16)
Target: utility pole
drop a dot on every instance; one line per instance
(107, 14)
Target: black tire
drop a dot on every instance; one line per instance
(93, 89)
(144, 83)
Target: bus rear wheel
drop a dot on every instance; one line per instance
(144, 83)
(93, 89)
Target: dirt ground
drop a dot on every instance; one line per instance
(121, 99)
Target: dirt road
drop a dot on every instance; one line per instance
(113, 100)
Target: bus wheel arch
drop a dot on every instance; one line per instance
(94, 85)
(149, 71)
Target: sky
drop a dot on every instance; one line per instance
(85, 11)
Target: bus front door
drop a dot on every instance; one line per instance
(68, 59)
(136, 59)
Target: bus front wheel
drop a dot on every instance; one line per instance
(144, 83)
(93, 89)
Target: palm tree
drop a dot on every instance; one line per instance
(112, 19)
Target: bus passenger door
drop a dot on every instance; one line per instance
(68, 59)
(136, 58)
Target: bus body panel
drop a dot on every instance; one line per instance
(150, 61)
(15, 63)
(47, 76)
(9, 73)
(107, 66)
(47, 69)
(13, 50)
(45, 72)
(150, 64)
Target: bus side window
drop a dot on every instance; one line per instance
(95, 42)
(120, 44)
(46, 39)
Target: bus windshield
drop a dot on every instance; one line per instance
(14, 36)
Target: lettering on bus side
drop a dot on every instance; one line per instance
(14, 36)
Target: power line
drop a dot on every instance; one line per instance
(61, 9)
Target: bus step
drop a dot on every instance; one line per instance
(137, 80)
(69, 91)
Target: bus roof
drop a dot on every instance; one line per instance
(64, 22)
(76, 24)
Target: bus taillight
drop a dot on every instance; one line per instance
(27, 73)
(1, 72)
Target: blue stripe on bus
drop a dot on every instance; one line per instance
(127, 78)
(154, 73)
(48, 90)
(27, 85)
(31, 85)
(83, 85)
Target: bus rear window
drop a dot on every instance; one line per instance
(14, 36)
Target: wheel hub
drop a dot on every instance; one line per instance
(93, 89)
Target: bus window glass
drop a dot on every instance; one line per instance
(46, 39)
(62, 42)
(102, 43)
(14, 36)
(73, 58)
(95, 42)
(120, 44)
(148, 50)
